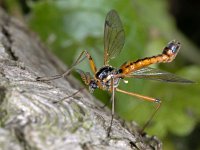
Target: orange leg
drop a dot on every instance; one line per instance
(150, 99)
(79, 60)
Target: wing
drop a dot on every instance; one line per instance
(156, 74)
(114, 36)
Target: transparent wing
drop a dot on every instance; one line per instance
(114, 36)
(156, 74)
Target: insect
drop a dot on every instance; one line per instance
(108, 77)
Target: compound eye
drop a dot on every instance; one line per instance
(93, 84)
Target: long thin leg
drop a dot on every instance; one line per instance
(75, 93)
(79, 60)
(150, 99)
(113, 105)
(151, 117)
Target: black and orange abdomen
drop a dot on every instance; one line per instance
(169, 53)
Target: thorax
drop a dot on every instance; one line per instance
(104, 76)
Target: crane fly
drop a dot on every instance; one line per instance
(108, 78)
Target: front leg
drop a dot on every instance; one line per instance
(66, 73)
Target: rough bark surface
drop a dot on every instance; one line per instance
(28, 117)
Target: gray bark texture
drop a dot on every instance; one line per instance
(29, 120)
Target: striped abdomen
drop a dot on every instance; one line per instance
(169, 53)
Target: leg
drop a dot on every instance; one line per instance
(79, 60)
(150, 99)
(113, 106)
(59, 101)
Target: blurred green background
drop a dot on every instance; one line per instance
(70, 26)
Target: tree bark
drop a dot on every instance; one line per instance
(29, 118)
